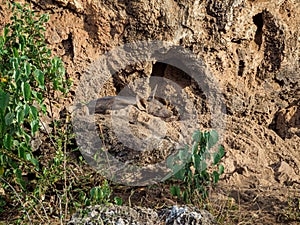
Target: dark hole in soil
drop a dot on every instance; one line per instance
(259, 22)
(241, 67)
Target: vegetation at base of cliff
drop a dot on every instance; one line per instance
(190, 166)
(29, 76)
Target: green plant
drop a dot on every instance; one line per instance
(190, 166)
(28, 75)
(100, 194)
(118, 200)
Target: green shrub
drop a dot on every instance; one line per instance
(28, 74)
(100, 194)
(190, 166)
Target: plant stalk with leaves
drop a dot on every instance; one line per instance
(190, 166)
(28, 74)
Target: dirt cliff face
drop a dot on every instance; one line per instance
(251, 47)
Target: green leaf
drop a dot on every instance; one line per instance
(55, 84)
(221, 150)
(117, 200)
(202, 166)
(212, 138)
(26, 91)
(218, 155)
(2, 170)
(87, 202)
(6, 31)
(22, 42)
(175, 191)
(215, 176)
(33, 112)
(45, 18)
(7, 141)
(27, 137)
(15, 53)
(20, 179)
(184, 155)
(16, 143)
(34, 126)
(38, 96)
(44, 109)
(26, 109)
(9, 118)
(205, 176)
(40, 78)
(20, 116)
(170, 161)
(21, 152)
(27, 69)
(16, 73)
(4, 99)
(35, 162)
(217, 158)
(197, 136)
(221, 169)
(185, 196)
(180, 174)
(93, 192)
(28, 156)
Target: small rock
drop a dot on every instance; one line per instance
(286, 174)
